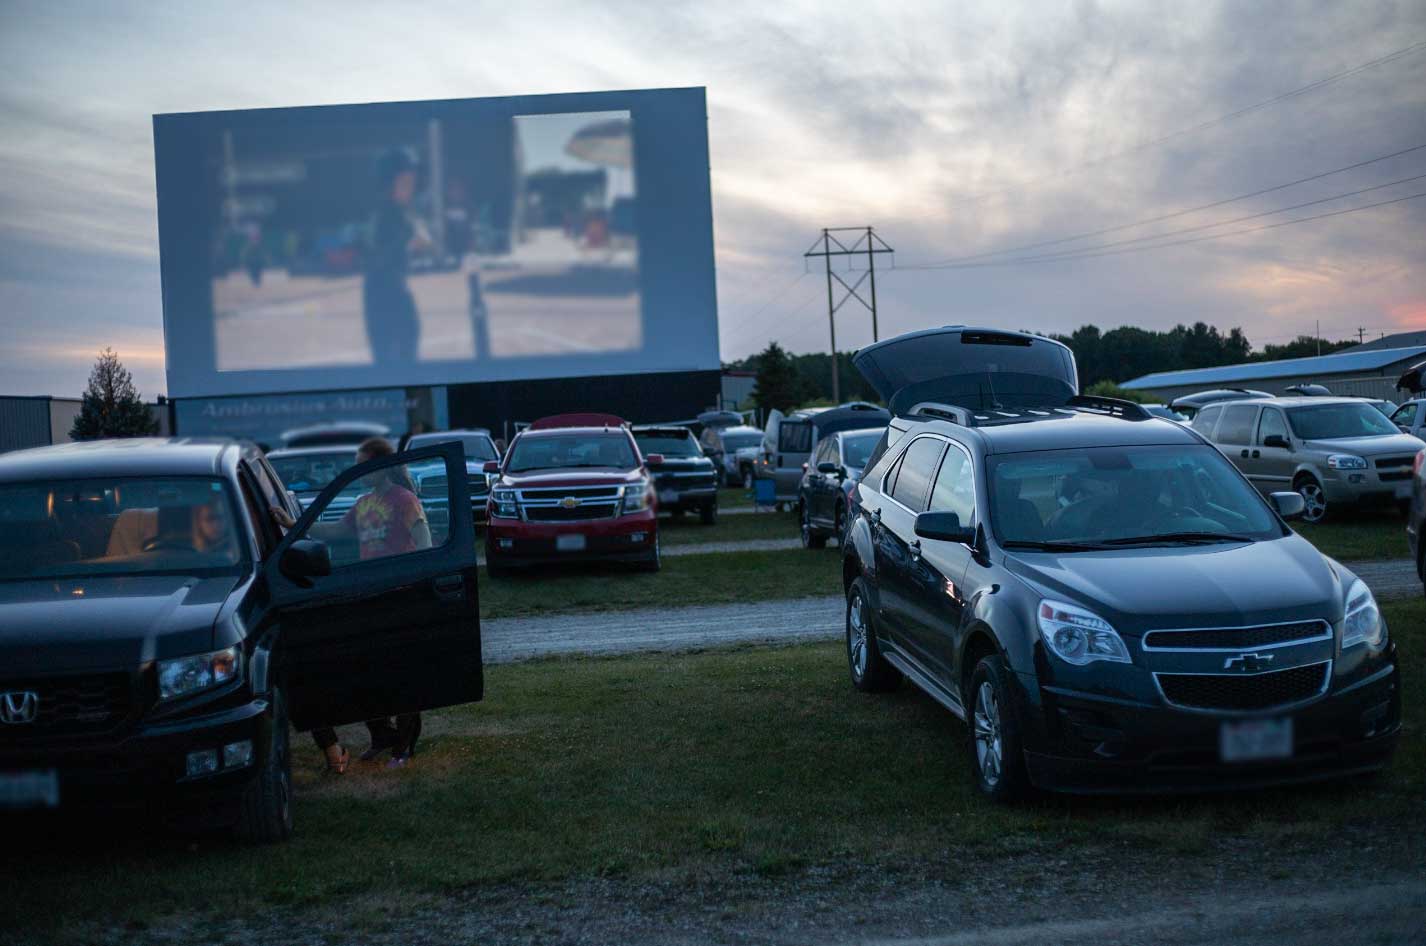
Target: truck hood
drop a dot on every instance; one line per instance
(968, 367)
(101, 624)
(1192, 586)
(594, 476)
(1381, 445)
(678, 464)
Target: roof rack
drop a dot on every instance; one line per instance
(950, 412)
(1114, 406)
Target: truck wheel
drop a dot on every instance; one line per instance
(654, 561)
(708, 513)
(997, 758)
(869, 669)
(266, 813)
(1314, 497)
(811, 539)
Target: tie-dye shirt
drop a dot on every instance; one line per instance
(383, 520)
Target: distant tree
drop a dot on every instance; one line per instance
(111, 406)
(778, 385)
(1303, 346)
(1110, 389)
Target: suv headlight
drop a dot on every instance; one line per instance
(503, 500)
(1078, 636)
(637, 497)
(186, 675)
(1346, 461)
(1362, 625)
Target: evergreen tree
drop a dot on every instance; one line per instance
(778, 385)
(111, 406)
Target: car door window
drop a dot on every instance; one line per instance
(1204, 420)
(917, 468)
(1405, 415)
(1272, 424)
(955, 486)
(1237, 424)
(263, 526)
(383, 514)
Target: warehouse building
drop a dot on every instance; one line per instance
(1358, 372)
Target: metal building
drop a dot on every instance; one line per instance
(1359, 372)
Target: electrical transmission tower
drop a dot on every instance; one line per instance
(868, 244)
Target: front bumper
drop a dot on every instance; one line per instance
(146, 764)
(683, 500)
(514, 542)
(1365, 487)
(1088, 744)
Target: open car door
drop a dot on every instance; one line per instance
(374, 593)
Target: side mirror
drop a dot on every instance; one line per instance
(307, 558)
(946, 527)
(492, 466)
(654, 459)
(828, 467)
(1288, 505)
(1277, 440)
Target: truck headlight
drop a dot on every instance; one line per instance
(637, 497)
(1078, 636)
(1346, 461)
(1362, 625)
(186, 675)
(503, 502)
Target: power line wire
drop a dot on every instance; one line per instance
(763, 308)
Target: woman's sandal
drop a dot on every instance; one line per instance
(338, 761)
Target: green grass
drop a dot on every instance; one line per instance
(1359, 534)
(688, 530)
(734, 496)
(716, 578)
(755, 761)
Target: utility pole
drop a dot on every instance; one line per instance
(1361, 334)
(870, 244)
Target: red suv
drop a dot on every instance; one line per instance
(573, 487)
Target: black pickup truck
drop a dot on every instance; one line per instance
(686, 480)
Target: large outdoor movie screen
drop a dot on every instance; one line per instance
(436, 242)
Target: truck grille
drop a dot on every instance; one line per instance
(1245, 692)
(77, 705)
(1391, 463)
(1238, 638)
(577, 514)
(578, 492)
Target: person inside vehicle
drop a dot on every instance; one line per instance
(387, 520)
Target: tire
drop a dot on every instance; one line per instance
(708, 514)
(997, 758)
(265, 816)
(869, 670)
(811, 538)
(654, 561)
(839, 525)
(1315, 498)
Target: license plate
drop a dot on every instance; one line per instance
(570, 543)
(29, 789)
(1255, 739)
(668, 496)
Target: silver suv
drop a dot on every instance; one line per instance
(1335, 451)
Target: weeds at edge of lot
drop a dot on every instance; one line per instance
(761, 761)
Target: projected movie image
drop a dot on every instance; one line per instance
(438, 240)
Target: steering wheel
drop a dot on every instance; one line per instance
(168, 545)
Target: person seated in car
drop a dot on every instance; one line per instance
(387, 520)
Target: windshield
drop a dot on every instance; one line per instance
(857, 447)
(561, 451)
(311, 472)
(733, 442)
(670, 445)
(1114, 494)
(70, 528)
(1334, 421)
(475, 446)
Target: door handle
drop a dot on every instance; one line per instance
(1256, 454)
(449, 587)
(1244, 453)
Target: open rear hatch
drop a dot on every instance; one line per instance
(1411, 380)
(975, 368)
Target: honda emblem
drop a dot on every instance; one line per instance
(18, 707)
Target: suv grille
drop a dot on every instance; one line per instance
(1387, 463)
(578, 492)
(1237, 638)
(1261, 691)
(561, 514)
(79, 705)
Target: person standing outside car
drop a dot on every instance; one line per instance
(393, 325)
(387, 520)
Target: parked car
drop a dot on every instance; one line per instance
(573, 487)
(479, 449)
(1107, 601)
(1416, 516)
(160, 637)
(1191, 404)
(1307, 389)
(340, 433)
(1166, 412)
(734, 450)
(833, 472)
(789, 440)
(1410, 418)
(686, 480)
(1335, 451)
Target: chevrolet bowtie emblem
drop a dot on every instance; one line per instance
(569, 502)
(1248, 663)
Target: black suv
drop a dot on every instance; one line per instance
(1100, 592)
(159, 633)
(686, 480)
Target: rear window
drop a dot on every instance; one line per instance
(311, 472)
(794, 437)
(668, 443)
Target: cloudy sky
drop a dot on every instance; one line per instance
(958, 130)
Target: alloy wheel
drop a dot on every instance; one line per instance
(987, 734)
(857, 643)
(1315, 500)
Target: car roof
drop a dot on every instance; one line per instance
(533, 432)
(459, 432)
(1292, 401)
(740, 429)
(138, 456)
(1056, 429)
(345, 449)
(669, 430)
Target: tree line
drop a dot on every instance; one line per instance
(785, 380)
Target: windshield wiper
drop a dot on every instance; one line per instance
(1053, 546)
(1181, 537)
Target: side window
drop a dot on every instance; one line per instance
(1405, 415)
(955, 486)
(794, 437)
(257, 514)
(1237, 424)
(889, 483)
(827, 451)
(398, 509)
(1204, 420)
(1272, 423)
(916, 471)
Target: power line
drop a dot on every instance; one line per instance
(763, 308)
(1168, 216)
(1093, 250)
